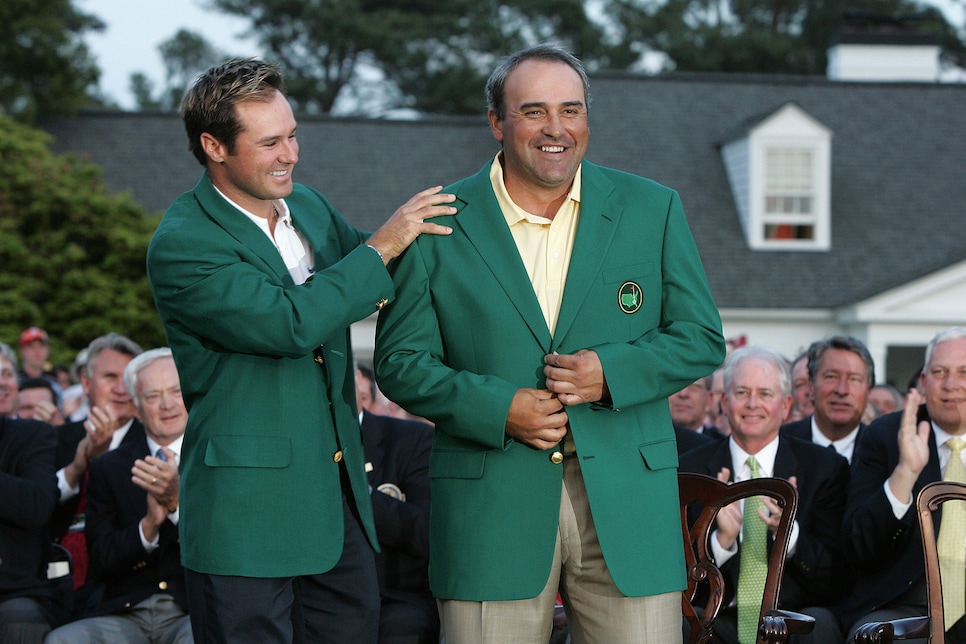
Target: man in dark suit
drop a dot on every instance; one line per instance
(690, 408)
(757, 396)
(28, 494)
(842, 372)
(896, 457)
(397, 463)
(132, 517)
(257, 279)
(109, 423)
(688, 440)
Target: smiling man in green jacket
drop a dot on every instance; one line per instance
(543, 339)
(257, 280)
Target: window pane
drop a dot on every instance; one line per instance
(789, 231)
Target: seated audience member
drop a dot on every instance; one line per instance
(687, 440)
(841, 373)
(715, 416)
(63, 376)
(74, 404)
(110, 423)
(886, 399)
(689, 407)
(37, 400)
(28, 493)
(802, 404)
(397, 462)
(9, 384)
(757, 396)
(132, 516)
(897, 456)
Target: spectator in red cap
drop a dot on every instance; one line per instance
(34, 352)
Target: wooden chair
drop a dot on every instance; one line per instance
(711, 495)
(931, 626)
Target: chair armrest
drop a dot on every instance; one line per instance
(777, 625)
(898, 629)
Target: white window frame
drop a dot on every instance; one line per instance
(746, 160)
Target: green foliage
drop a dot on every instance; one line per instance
(437, 54)
(762, 36)
(44, 67)
(186, 54)
(71, 255)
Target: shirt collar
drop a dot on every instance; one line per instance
(515, 214)
(174, 447)
(842, 446)
(765, 457)
(284, 216)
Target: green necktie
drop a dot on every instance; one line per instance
(753, 566)
(952, 540)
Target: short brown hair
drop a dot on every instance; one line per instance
(209, 105)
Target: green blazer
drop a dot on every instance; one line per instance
(260, 490)
(466, 331)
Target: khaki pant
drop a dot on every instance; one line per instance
(596, 611)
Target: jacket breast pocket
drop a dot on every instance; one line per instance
(626, 273)
(456, 464)
(249, 451)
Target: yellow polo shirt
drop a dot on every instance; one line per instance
(545, 245)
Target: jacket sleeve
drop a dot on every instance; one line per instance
(113, 542)
(224, 290)
(28, 488)
(872, 533)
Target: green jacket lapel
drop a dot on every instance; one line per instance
(595, 230)
(240, 227)
(481, 219)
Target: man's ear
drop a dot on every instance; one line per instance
(496, 125)
(214, 148)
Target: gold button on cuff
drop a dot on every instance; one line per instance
(381, 303)
(163, 585)
(557, 457)
(337, 457)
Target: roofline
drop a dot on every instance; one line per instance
(766, 79)
(424, 120)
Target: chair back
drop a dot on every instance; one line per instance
(930, 498)
(709, 495)
(931, 626)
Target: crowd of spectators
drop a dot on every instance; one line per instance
(97, 554)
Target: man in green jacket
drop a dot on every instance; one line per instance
(543, 339)
(257, 280)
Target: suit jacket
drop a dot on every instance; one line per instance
(398, 451)
(117, 558)
(69, 435)
(886, 552)
(689, 439)
(28, 494)
(802, 430)
(266, 374)
(813, 574)
(467, 331)
(712, 432)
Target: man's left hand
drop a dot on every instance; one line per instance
(575, 377)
